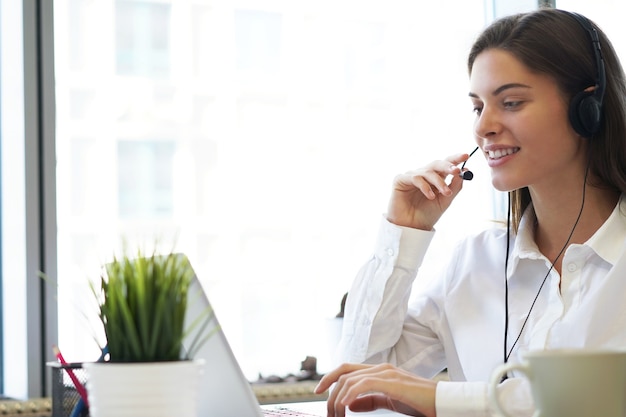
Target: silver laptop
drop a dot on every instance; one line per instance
(224, 389)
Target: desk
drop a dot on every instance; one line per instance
(36, 407)
(287, 392)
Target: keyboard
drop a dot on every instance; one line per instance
(282, 412)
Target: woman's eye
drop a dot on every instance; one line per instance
(512, 104)
(478, 110)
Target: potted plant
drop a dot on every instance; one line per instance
(142, 304)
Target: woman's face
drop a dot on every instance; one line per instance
(522, 125)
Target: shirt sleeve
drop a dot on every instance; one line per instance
(377, 302)
(380, 326)
(470, 399)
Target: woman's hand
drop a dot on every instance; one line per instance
(370, 387)
(420, 197)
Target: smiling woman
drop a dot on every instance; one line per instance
(554, 135)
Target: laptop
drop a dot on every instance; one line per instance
(224, 389)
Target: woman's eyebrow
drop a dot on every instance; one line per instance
(503, 88)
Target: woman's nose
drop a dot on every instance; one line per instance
(487, 124)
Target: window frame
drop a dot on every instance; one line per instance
(28, 181)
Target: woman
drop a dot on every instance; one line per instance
(554, 277)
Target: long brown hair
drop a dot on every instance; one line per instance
(553, 42)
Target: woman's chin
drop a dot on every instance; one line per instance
(503, 185)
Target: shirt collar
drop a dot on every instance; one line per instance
(607, 242)
(524, 244)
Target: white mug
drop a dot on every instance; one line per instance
(570, 382)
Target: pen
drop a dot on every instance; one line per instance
(81, 409)
(79, 387)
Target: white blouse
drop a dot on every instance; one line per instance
(458, 321)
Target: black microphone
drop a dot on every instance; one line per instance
(467, 175)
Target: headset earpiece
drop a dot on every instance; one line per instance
(585, 110)
(585, 113)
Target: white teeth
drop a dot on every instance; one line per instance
(499, 153)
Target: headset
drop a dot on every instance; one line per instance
(585, 110)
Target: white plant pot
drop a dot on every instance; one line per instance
(153, 389)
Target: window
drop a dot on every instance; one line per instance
(142, 38)
(27, 181)
(261, 137)
(261, 141)
(258, 41)
(145, 176)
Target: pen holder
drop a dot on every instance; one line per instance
(64, 394)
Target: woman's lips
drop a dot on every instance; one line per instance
(497, 157)
(500, 153)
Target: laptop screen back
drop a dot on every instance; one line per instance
(224, 391)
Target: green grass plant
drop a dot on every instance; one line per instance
(142, 305)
